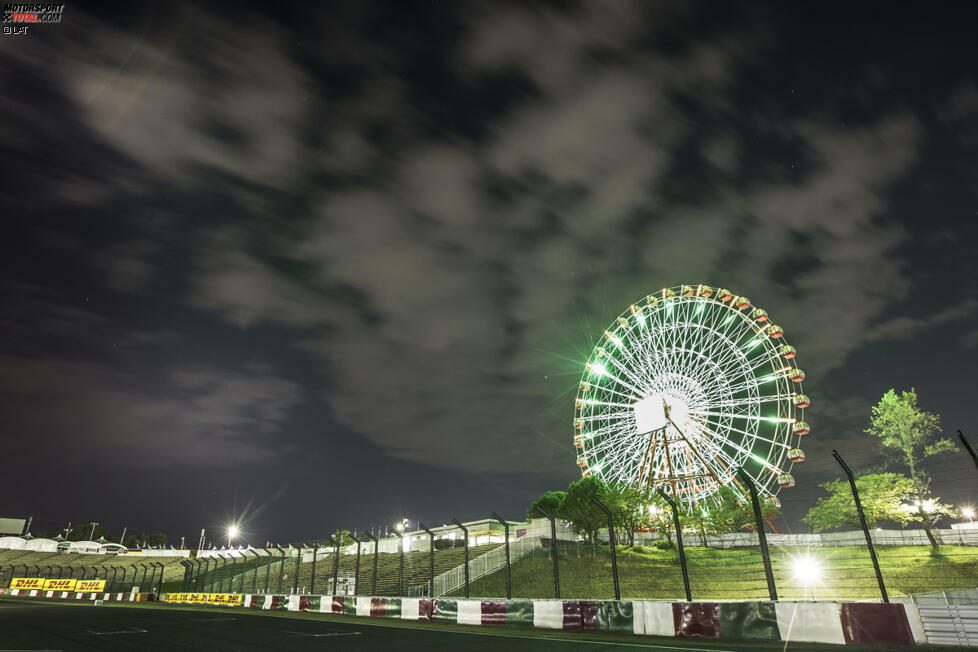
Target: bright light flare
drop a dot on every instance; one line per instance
(968, 513)
(807, 570)
(233, 532)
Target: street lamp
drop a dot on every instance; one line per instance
(233, 532)
(969, 512)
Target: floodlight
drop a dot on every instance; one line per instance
(807, 570)
(233, 531)
(969, 512)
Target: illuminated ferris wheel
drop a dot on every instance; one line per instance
(685, 388)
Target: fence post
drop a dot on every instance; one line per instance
(400, 572)
(198, 582)
(356, 572)
(61, 571)
(224, 573)
(336, 564)
(761, 534)
(298, 567)
(431, 560)
(679, 542)
(465, 533)
(967, 446)
(115, 570)
(159, 582)
(234, 570)
(186, 573)
(505, 524)
(611, 540)
(553, 549)
(281, 569)
(254, 575)
(862, 521)
(373, 582)
(312, 582)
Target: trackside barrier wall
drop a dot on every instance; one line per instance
(845, 623)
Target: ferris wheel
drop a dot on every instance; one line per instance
(684, 389)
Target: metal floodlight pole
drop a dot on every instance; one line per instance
(862, 521)
(312, 583)
(509, 584)
(373, 583)
(679, 542)
(431, 560)
(356, 572)
(553, 549)
(91, 536)
(967, 446)
(611, 540)
(465, 534)
(761, 534)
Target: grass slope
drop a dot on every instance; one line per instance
(585, 572)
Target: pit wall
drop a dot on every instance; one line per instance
(840, 623)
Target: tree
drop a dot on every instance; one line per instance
(343, 537)
(910, 435)
(629, 511)
(157, 540)
(659, 516)
(578, 508)
(882, 495)
(552, 502)
(735, 512)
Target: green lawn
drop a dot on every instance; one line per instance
(646, 572)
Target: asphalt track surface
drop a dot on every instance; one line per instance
(57, 626)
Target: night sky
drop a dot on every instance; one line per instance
(326, 266)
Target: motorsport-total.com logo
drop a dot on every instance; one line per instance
(17, 17)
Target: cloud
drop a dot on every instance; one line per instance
(450, 288)
(197, 416)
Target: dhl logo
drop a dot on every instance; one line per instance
(27, 583)
(85, 586)
(206, 598)
(59, 585)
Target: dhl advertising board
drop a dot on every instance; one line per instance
(227, 599)
(59, 585)
(42, 584)
(27, 583)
